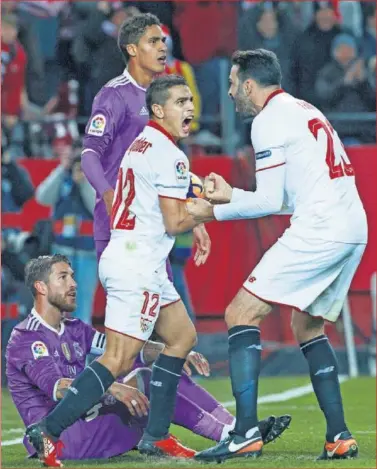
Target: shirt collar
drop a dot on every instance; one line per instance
(272, 95)
(126, 73)
(44, 323)
(157, 126)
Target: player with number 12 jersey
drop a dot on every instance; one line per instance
(152, 168)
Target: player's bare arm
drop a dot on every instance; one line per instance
(176, 218)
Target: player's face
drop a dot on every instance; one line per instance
(241, 94)
(62, 287)
(178, 112)
(151, 50)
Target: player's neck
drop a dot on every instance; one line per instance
(50, 314)
(142, 77)
(265, 95)
(165, 130)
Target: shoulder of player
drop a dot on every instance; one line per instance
(160, 139)
(274, 117)
(30, 324)
(26, 332)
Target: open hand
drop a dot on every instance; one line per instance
(199, 362)
(203, 245)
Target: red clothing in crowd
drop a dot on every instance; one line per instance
(206, 29)
(13, 64)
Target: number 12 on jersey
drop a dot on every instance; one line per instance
(336, 170)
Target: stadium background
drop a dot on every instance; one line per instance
(66, 50)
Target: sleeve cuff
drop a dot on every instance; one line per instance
(223, 212)
(55, 390)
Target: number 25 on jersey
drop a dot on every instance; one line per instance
(343, 167)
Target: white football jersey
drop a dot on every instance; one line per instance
(152, 167)
(320, 188)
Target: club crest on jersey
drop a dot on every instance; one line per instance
(97, 125)
(181, 171)
(263, 154)
(145, 324)
(39, 350)
(66, 351)
(78, 350)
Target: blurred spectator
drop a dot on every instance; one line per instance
(368, 41)
(312, 50)
(95, 49)
(72, 199)
(43, 17)
(348, 13)
(208, 31)
(371, 73)
(16, 187)
(180, 67)
(268, 28)
(342, 86)
(13, 94)
(35, 80)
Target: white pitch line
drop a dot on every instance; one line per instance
(13, 430)
(283, 396)
(16, 441)
(277, 397)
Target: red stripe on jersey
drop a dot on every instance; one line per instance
(269, 167)
(173, 198)
(127, 335)
(272, 95)
(158, 127)
(169, 304)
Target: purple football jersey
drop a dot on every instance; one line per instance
(37, 357)
(118, 116)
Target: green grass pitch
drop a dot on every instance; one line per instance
(298, 447)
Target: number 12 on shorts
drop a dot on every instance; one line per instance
(150, 305)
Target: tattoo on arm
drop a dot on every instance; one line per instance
(63, 386)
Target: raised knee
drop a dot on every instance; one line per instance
(191, 340)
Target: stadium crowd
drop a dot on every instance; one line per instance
(56, 55)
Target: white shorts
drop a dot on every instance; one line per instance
(309, 275)
(134, 293)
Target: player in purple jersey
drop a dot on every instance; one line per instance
(46, 351)
(119, 114)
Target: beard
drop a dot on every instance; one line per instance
(244, 106)
(60, 302)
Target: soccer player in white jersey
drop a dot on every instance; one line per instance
(149, 209)
(302, 169)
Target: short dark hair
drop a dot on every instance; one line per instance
(158, 91)
(39, 268)
(260, 64)
(132, 29)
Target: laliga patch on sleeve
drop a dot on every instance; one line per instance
(181, 171)
(97, 125)
(39, 350)
(263, 154)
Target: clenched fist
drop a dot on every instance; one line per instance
(217, 190)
